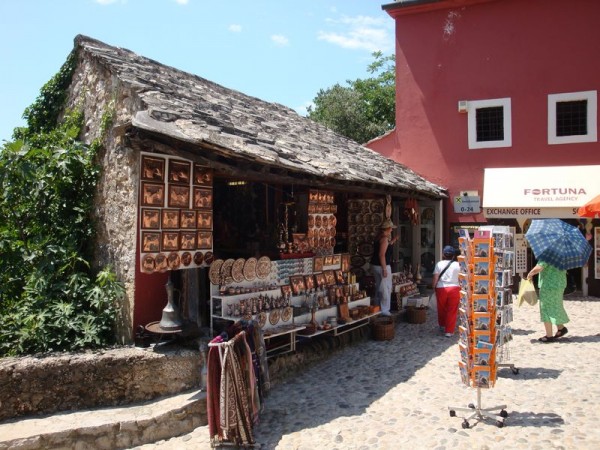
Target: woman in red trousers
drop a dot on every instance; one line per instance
(447, 290)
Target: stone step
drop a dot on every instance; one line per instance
(120, 427)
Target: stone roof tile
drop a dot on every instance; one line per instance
(187, 107)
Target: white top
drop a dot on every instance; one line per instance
(450, 276)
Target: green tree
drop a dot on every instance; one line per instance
(365, 108)
(50, 297)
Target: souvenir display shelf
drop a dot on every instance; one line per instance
(427, 241)
(485, 311)
(282, 303)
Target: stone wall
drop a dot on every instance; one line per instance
(47, 384)
(100, 95)
(73, 381)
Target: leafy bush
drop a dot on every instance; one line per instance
(50, 298)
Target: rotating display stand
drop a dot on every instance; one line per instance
(485, 312)
(479, 413)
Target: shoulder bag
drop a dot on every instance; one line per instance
(432, 297)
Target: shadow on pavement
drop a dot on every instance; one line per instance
(350, 380)
(531, 419)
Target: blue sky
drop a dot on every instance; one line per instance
(281, 51)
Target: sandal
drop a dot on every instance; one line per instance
(561, 332)
(546, 339)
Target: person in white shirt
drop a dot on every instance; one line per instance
(447, 290)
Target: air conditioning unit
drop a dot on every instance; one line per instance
(463, 106)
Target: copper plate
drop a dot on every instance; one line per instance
(357, 261)
(263, 267)
(286, 314)
(174, 261)
(274, 316)
(237, 270)
(186, 259)
(148, 264)
(250, 269)
(214, 274)
(376, 219)
(199, 257)
(161, 262)
(209, 257)
(377, 207)
(332, 221)
(226, 270)
(365, 249)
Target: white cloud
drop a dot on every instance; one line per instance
(108, 2)
(235, 28)
(360, 33)
(280, 40)
(303, 109)
(182, 2)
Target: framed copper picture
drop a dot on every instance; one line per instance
(317, 264)
(153, 194)
(337, 260)
(329, 277)
(297, 283)
(179, 171)
(150, 218)
(150, 242)
(170, 241)
(170, 219)
(153, 168)
(286, 290)
(205, 220)
(320, 279)
(188, 240)
(179, 196)
(203, 198)
(328, 260)
(204, 240)
(188, 219)
(345, 264)
(203, 176)
(309, 282)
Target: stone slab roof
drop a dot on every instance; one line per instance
(191, 109)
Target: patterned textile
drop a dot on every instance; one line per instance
(235, 409)
(213, 389)
(558, 243)
(552, 283)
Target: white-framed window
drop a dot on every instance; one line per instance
(572, 117)
(490, 123)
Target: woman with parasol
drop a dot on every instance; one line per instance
(558, 247)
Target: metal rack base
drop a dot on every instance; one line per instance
(479, 413)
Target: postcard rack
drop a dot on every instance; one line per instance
(485, 311)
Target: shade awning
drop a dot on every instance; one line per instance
(539, 192)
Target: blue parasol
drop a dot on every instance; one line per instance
(557, 243)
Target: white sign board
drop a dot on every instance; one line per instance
(538, 192)
(467, 204)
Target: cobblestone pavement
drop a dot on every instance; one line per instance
(395, 394)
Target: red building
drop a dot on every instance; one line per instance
(484, 85)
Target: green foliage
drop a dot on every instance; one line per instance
(365, 108)
(42, 116)
(50, 298)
